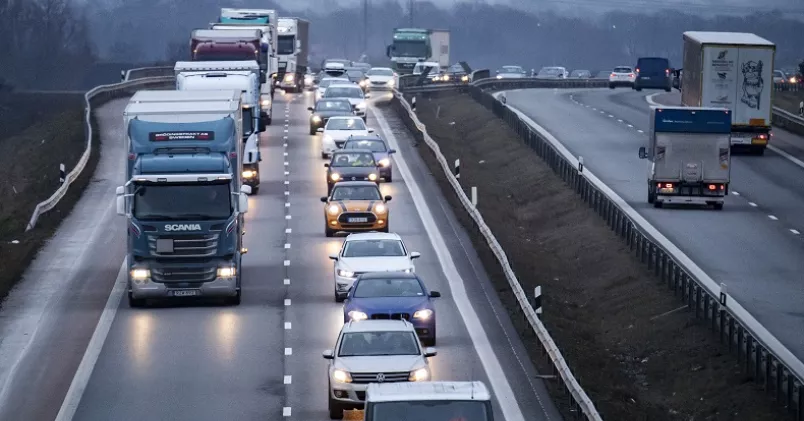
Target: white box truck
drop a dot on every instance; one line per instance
(688, 153)
(439, 41)
(732, 70)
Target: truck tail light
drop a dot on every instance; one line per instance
(664, 185)
(762, 136)
(714, 187)
(637, 69)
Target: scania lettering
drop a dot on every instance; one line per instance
(185, 227)
(293, 49)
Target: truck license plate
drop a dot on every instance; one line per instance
(741, 140)
(185, 293)
(358, 220)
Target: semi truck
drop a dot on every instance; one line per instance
(209, 45)
(732, 70)
(264, 20)
(183, 201)
(422, 400)
(412, 45)
(689, 155)
(293, 49)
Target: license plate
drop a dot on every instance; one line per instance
(185, 293)
(358, 220)
(164, 245)
(645, 78)
(741, 140)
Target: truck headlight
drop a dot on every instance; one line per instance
(420, 375)
(341, 376)
(346, 273)
(249, 174)
(385, 162)
(316, 119)
(140, 274)
(423, 314)
(373, 177)
(357, 315)
(226, 272)
(334, 209)
(335, 177)
(380, 208)
(290, 78)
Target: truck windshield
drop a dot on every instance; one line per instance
(286, 44)
(245, 55)
(409, 49)
(429, 410)
(198, 202)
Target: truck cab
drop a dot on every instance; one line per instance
(264, 20)
(439, 400)
(408, 47)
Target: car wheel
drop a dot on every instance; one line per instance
(135, 302)
(269, 120)
(339, 298)
(324, 155)
(234, 301)
(390, 178)
(651, 195)
(668, 89)
(335, 410)
(386, 229)
(328, 232)
(312, 131)
(638, 89)
(611, 86)
(430, 341)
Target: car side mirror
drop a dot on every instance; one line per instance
(415, 255)
(328, 355)
(435, 294)
(310, 109)
(324, 199)
(326, 165)
(319, 130)
(388, 198)
(121, 204)
(430, 352)
(642, 152)
(370, 130)
(391, 151)
(243, 202)
(333, 257)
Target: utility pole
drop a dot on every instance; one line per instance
(365, 26)
(410, 9)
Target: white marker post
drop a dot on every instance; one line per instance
(580, 164)
(458, 169)
(723, 294)
(474, 196)
(537, 301)
(62, 174)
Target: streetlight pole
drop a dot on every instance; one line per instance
(410, 9)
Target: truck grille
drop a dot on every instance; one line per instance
(194, 245)
(406, 65)
(184, 275)
(372, 377)
(390, 316)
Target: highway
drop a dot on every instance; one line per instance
(754, 245)
(262, 359)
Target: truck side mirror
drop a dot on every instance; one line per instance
(243, 202)
(251, 157)
(259, 156)
(121, 204)
(642, 152)
(388, 51)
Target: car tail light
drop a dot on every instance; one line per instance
(631, 75)
(667, 71)
(637, 69)
(613, 74)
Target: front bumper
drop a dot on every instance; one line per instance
(340, 222)
(349, 395)
(621, 83)
(385, 172)
(184, 281)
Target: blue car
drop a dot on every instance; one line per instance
(393, 295)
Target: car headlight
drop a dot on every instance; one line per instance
(362, 83)
(380, 208)
(140, 274)
(226, 272)
(464, 78)
(361, 105)
(266, 103)
(316, 119)
(423, 314)
(346, 273)
(327, 139)
(334, 209)
(335, 177)
(373, 177)
(385, 162)
(341, 376)
(499, 77)
(289, 78)
(391, 82)
(408, 270)
(357, 315)
(420, 375)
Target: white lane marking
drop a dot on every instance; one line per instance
(649, 99)
(288, 379)
(285, 154)
(287, 193)
(287, 302)
(794, 231)
(494, 372)
(619, 121)
(287, 163)
(594, 109)
(84, 372)
(285, 145)
(752, 204)
(287, 245)
(287, 281)
(286, 130)
(288, 217)
(735, 193)
(287, 324)
(287, 182)
(288, 351)
(287, 262)
(611, 116)
(286, 411)
(640, 131)
(287, 173)
(288, 230)
(772, 217)
(287, 204)
(631, 126)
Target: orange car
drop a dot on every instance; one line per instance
(355, 206)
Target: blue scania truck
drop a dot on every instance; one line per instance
(184, 200)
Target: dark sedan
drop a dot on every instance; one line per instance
(351, 165)
(326, 108)
(358, 76)
(378, 147)
(393, 295)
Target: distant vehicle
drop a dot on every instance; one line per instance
(363, 66)
(351, 165)
(358, 76)
(435, 69)
(367, 349)
(327, 108)
(332, 69)
(580, 74)
(653, 73)
(414, 45)
(369, 252)
(337, 131)
(555, 72)
(779, 77)
(511, 72)
(377, 146)
(351, 92)
(602, 74)
(381, 78)
(454, 400)
(456, 73)
(688, 156)
(341, 61)
(622, 76)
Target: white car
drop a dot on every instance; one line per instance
(369, 252)
(373, 351)
(338, 129)
(622, 76)
(324, 84)
(555, 72)
(351, 92)
(435, 69)
(511, 72)
(381, 78)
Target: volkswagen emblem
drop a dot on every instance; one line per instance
(353, 178)
(380, 378)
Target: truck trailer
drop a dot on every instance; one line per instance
(688, 153)
(732, 70)
(412, 45)
(293, 50)
(264, 20)
(183, 200)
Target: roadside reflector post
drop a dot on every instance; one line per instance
(413, 104)
(458, 169)
(474, 196)
(122, 75)
(723, 294)
(580, 164)
(62, 174)
(537, 301)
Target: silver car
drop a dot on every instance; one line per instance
(373, 351)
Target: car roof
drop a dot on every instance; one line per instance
(356, 184)
(343, 117)
(373, 236)
(420, 391)
(382, 68)
(343, 85)
(357, 150)
(358, 138)
(378, 325)
(388, 275)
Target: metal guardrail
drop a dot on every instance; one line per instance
(762, 357)
(143, 72)
(97, 96)
(580, 402)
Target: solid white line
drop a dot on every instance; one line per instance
(794, 231)
(494, 371)
(288, 379)
(84, 372)
(649, 99)
(287, 281)
(752, 204)
(287, 245)
(773, 217)
(287, 262)
(287, 324)
(286, 411)
(288, 351)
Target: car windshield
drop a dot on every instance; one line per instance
(653, 65)
(419, 69)
(356, 159)
(198, 202)
(372, 145)
(430, 410)
(388, 287)
(623, 70)
(380, 72)
(343, 92)
(360, 344)
(356, 193)
(373, 248)
(345, 124)
(333, 106)
(240, 55)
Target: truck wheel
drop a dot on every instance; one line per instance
(261, 126)
(759, 150)
(651, 196)
(135, 302)
(254, 190)
(718, 206)
(268, 120)
(234, 301)
(657, 204)
(312, 131)
(390, 178)
(611, 86)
